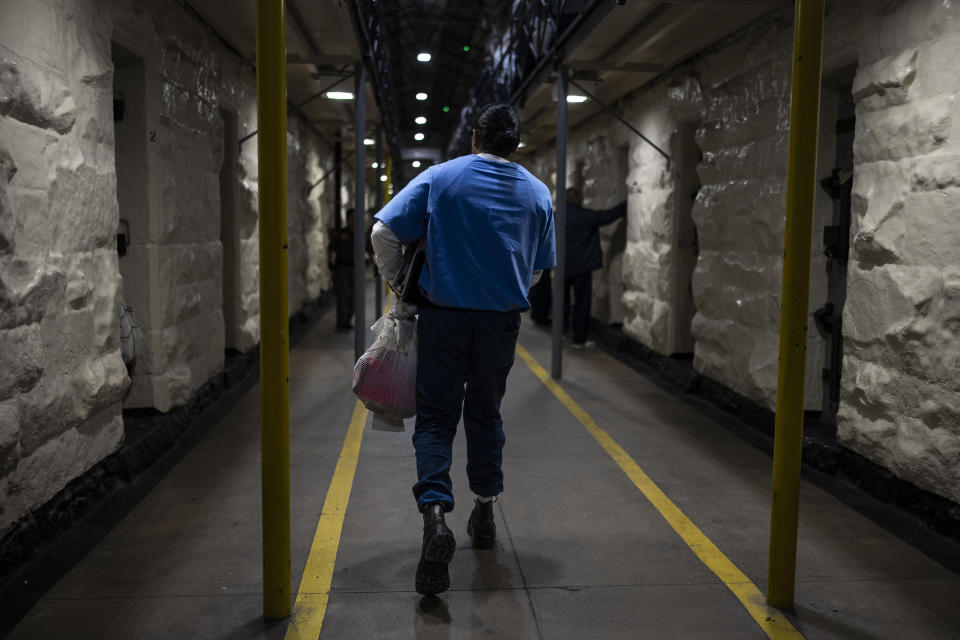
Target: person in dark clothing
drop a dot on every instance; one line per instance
(583, 256)
(341, 249)
(540, 299)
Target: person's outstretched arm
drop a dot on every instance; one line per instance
(603, 218)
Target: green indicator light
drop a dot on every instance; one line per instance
(446, 109)
(466, 47)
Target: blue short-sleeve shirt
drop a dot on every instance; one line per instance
(489, 224)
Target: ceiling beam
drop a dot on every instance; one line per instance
(742, 3)
(346, 123)
(297, 18)
(626, 67)
(323, 60)
(678, 20)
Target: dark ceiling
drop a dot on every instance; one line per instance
(443, 28)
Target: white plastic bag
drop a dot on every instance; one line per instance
(385, 377)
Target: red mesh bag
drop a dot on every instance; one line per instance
(385, 377)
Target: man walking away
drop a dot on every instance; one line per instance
(488, 225)
(583, 257)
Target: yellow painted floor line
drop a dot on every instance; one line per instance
(770, 619)
(314, 592)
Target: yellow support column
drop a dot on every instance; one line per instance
(794, 298)
(274, 332)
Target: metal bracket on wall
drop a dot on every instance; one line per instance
(300, 105)
(621, 119)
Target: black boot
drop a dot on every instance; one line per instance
(481, 527)
(437, 552)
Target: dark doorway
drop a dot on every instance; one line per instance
(836, 246)
(130, 151)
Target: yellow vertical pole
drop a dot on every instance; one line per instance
(794, 298)
(274, 332)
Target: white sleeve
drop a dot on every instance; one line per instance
(387, 250)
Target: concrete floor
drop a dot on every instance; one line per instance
(580, 552)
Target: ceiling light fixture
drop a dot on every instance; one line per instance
(416, 164)
(420, 120)
(339, 95)
(423, 56)
(421, 96)
(418, 137)
(368, 142)
(375, 165)
(578, 92)
(521, 145)
(383, 178)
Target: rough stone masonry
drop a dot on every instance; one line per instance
(900, 397)
(62, 380)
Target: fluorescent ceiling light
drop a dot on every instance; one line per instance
(416, 164)
(368, 142)
(577, 93)
(423, 57)
(421, 96)
(420, 120)
(383, 178)
(418, 137)
(339, 95)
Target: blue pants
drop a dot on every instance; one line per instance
(582, 296)
(463, 359)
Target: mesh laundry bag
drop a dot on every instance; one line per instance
(385, 377)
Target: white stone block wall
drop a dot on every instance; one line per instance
(63, 381)
(743, 94)
(61, 374)
(900, 400)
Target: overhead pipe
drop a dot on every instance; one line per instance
(794, 300)
(274, 328)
